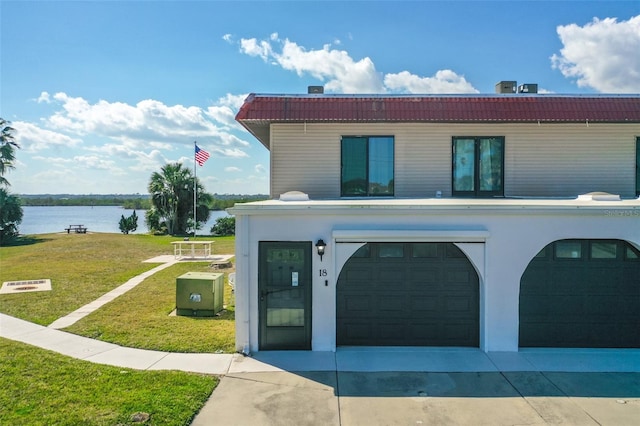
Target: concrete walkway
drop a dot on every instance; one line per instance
(386, 386)
(348, 359)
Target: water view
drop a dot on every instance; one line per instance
(51, 219)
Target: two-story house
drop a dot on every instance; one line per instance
(488, 221)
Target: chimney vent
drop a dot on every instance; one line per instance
(506, 87)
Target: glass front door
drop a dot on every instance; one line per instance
(284, 284)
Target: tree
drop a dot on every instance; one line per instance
(10, 209)
(8, 146)
(224, 226)
(129, 224)
(172, 200)
(10, 216)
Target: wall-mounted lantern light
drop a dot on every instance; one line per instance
(320, 246)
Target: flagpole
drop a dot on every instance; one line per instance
(195, 189)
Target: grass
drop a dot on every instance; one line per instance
(40, 387)
(84, 267)
(140, 318)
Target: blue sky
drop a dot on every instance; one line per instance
(103, 93)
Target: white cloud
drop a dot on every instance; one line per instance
(343, 74)
(444, 81)
(122, 143)
(336, 67)
(33, 138)
(231, 152)
(602, 54)
(93, 162)
(252, 47)
(259, 168)
(232, 169)
(147, 123)
(44, 98)
(227, 37)
(225, 110)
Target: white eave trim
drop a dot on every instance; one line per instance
(413, 235)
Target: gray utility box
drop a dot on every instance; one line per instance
(199, 294)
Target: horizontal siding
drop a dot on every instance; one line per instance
(547, 160)
(574, 159)
(307, 161)
(423, 161)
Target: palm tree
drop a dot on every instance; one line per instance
(171, 192)
(10, 216)
(10, 209)
(8, 145)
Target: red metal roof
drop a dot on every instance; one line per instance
(258, 111)
(463, 108)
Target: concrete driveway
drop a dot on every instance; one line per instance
(387, 386)
(489, 396)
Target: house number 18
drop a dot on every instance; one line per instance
(323, 272)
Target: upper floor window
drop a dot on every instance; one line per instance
(367, 166)
(478, 166)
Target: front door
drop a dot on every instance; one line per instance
(284, 286)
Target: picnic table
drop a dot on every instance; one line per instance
(78, 229)
(192, 249)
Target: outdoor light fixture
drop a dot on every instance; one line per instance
(320, 246)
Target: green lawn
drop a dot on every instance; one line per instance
(40, 387)
(82, 267)
(140, 318)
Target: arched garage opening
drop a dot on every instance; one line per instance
(582, 294)
(408, 294)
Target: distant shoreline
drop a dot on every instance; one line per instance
(126, 201)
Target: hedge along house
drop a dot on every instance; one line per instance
(488, 221)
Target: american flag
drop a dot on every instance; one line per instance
(201, 156)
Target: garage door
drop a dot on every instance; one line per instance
(408, 294)
(581, 293)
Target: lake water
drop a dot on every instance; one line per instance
(51, 219)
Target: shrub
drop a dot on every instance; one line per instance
(129, 224)
(224, 226)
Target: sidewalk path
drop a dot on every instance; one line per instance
(85, 310)
(109, 353)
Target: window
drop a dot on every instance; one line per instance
(568, 249)
(391, 250)
(604, 250)
(478, 164)
(367, 166)
(425, 250)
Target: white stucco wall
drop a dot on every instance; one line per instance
(499, 237)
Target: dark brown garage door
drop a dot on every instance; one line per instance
(408, 294)
(581, 293)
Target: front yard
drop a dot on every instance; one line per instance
(41, 387)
